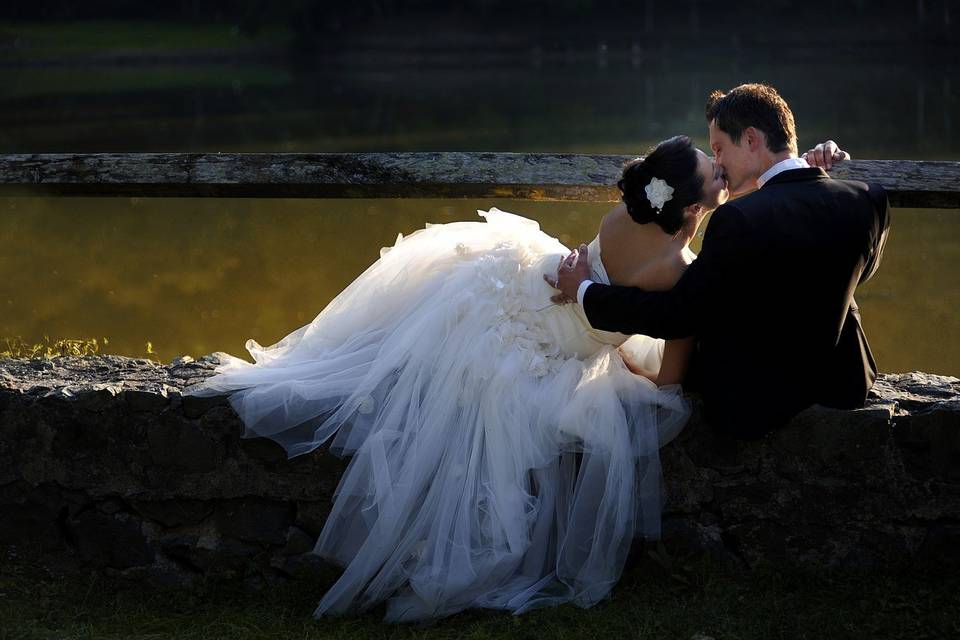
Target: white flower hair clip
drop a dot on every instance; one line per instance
(658, 193)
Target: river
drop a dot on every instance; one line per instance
(192, 276)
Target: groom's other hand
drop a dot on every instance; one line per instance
(825, 154)
(573, 270)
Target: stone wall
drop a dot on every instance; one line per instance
(104, 464)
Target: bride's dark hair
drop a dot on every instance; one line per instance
(674, 161)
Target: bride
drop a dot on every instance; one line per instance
(504, 453)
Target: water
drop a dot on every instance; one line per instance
(192, 276)
(899, 108)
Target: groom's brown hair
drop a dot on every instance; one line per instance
(758, 106)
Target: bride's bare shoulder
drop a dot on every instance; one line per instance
(614, 218)
(662, 274)
(640, 255)
(617, 229)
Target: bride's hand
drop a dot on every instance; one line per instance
(825, 154)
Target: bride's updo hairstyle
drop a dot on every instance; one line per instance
(674, 161)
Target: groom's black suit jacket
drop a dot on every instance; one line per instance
(770, 301)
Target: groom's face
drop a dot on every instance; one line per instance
(735, 160)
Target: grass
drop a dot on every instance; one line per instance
(653, 600)
(18, 348)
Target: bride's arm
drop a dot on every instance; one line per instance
(676, 353)
(673, 365)
(637, 369)
(676, 359)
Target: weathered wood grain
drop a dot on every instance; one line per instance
(537, 176)
(911, 183)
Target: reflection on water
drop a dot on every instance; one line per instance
(899, 108)
(193, 276)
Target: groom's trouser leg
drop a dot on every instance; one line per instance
(851, 371)
(693, 380)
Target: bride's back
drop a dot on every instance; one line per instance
(641, 255)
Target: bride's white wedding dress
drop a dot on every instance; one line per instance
(503, 456)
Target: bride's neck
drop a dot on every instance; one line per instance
(689, 229)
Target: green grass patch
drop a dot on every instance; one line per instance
(17, 347)
(651, 601)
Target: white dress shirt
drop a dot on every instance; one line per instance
(783, 165)
(582, 290)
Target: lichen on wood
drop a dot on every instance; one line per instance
(537, 176)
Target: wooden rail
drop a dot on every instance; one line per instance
(538, 176)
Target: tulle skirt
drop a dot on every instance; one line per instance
(502, 455)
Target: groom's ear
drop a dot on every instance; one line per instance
(754, 139)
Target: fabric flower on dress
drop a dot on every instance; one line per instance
(519, 328)
(366, 405)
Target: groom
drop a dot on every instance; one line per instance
(770, 296)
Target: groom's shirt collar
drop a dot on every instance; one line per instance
(783, 165)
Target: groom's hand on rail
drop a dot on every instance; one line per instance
(825, 154)
(573, 270)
